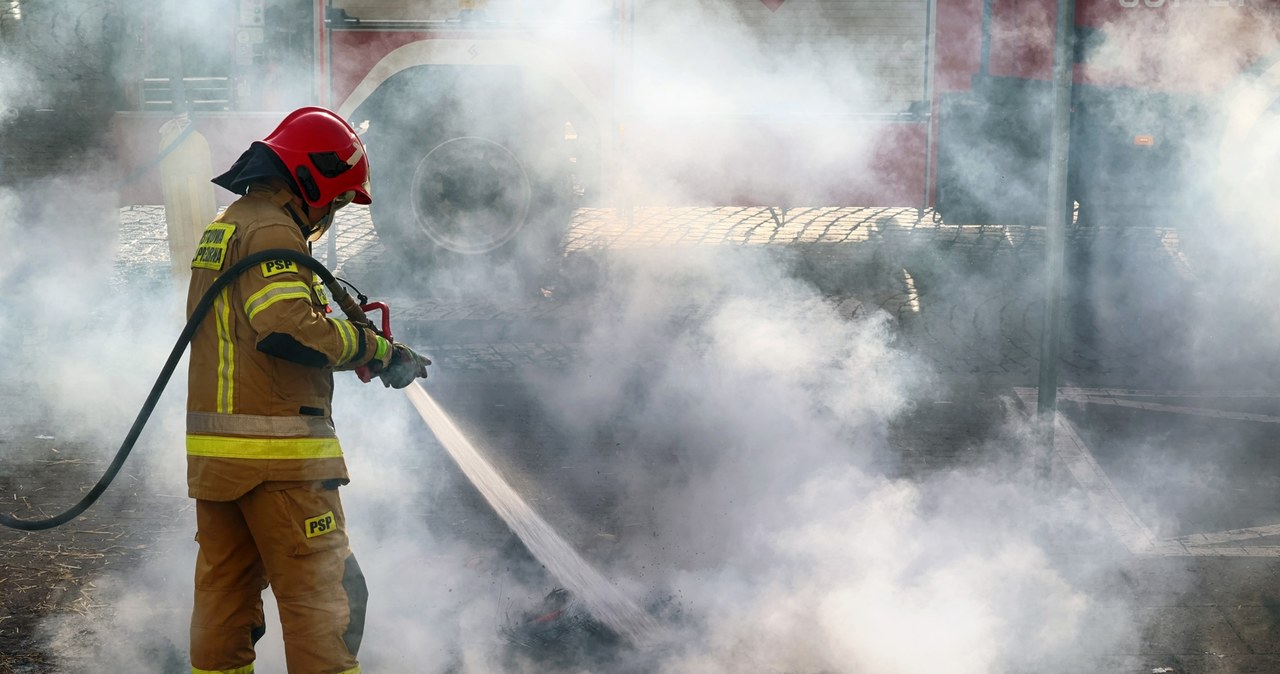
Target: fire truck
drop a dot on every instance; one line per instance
(488, 123)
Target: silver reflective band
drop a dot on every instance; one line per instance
(256, 425)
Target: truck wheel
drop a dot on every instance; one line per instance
(470, 195)
(475, 170)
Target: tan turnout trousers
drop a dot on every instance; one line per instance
(291, 536)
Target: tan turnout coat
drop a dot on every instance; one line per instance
(261, 382)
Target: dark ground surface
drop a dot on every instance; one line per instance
(53, 571)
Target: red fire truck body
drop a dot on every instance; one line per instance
(524, 109)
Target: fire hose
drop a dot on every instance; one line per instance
(350, 307)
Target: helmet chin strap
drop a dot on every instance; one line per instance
(302, 222)
(321, 227)
(311, 232)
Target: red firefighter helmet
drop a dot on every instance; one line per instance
(324, 155)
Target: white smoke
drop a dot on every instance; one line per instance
(752, 420)
(739, 424)
(751, 417)
(1172, 49)
(11, 89)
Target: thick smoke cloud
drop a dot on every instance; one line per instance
(1199, 304)
(91, 341)
(750, 423)
(751, 428)
(17, 87)
(1204, 329)
(752, 480)
(1171, 50)
(90, 334)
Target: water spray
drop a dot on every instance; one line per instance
(602, 599)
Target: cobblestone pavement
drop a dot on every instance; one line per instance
(967, 299)
(898, 260)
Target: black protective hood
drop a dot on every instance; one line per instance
(258, 164)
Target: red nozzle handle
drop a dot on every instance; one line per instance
(363, 371)
(386, 315)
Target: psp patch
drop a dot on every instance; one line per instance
(273, 267)
(322, 298)
(211, 251)
(320, 525)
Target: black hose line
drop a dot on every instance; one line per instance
(197, 315)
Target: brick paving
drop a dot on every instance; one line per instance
(899, 246)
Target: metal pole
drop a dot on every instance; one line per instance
(326, 83)
(984, 59)
(929, 55)
(331, 247)
(1055, 233)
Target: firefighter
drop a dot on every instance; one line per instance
(263, 462)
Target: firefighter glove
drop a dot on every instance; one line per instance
(405, 366)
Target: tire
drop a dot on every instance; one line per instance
(471, 168)
(470, 195)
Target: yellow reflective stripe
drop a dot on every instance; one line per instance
(353, 670)
(274, 292)
(354, 340)
(348, 334)
(342, 337)
(247, 669)
(226, 354)
(357, 340)
(263, 448)
(384, 347)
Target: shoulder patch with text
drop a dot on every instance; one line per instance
(320, 525)
(273, 267)
(211, 251)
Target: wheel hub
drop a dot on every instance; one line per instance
(470, 195)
